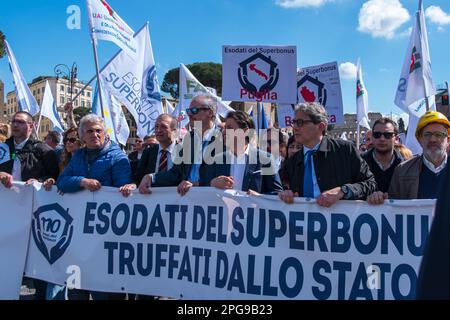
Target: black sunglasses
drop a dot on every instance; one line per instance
(72, 140)
(387, 135)
(196, 110)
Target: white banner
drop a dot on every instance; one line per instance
(14, 234)
(212, 244)
(259, 73)
(135, 84)
(322, 84)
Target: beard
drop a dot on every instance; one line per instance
(434, 155)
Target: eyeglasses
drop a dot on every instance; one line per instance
(90, 131)
(195, 110)
(21, 122)
(71, 140)
(300, 122)
(387, 135)
(437, 134)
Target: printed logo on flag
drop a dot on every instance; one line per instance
(152, 85)
(258, 74)
(415, 60)
(359, 89)
(311, 90)
(52, 231)
(4, 153)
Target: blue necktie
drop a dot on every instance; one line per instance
(194, 175)
(308, 186)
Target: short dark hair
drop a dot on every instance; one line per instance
(29, 116)
(54, 136)
(242, 119)
(385, 120)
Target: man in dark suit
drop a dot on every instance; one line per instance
(325, 169)
(156, 158)
(244, 167)
(136, 155)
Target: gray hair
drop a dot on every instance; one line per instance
(90, 118)
(315, 111)
(173, 120)
(212, 102)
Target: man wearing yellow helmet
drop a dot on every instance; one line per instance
(420, 177)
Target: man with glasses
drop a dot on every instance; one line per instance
(198, 151)
(23, 158)
(382, 158)
(325, 169)
(419, 178)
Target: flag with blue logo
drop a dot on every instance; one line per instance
(25, 99)
(48, 109)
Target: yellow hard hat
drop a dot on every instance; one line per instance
(432, 117)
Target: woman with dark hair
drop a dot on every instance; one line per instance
(71, 145)
(244, 167)
(292, 148)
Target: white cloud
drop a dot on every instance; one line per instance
(301, 3)
(406, 33)
(347, 70)
(382, 18)
(436, 15)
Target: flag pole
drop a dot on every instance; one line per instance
(39, 123)
(99, 83)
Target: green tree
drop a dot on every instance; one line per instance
(80, 113)
(2, 45)
(208, 73)
(401, 125)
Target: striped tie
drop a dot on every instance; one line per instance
(163, 161)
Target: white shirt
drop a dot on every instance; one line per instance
(169, 157)
(315, 184)
(237, 168)
(431, 166)
(17, 167)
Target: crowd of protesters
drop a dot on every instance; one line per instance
(230, 156)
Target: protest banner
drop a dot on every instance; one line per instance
(213, 244)
(14, 233)
(259, 73)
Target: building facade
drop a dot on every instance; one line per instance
(62, 94)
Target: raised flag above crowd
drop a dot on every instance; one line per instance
(50, 111)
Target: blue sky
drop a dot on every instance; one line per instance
(192, 31)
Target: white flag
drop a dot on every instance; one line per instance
(362, 100)
(48, 109)
(135, 84)
(115, 122)
(105, 24)
(169, 107)
(416, 82)
(344, 136)
(25, 99)
(191, 87)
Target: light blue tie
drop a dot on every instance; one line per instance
(308, 186)
(194, 175)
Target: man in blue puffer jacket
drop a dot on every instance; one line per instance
(100, 163)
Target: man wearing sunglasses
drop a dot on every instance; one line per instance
(197, 152)
(382, 158)
(419, 177)
(324, 169)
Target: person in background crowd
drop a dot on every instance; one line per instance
(136, 155)
(27, 159)
(71, 143)
(362, 148)
(325, 169)
(368, 140)
(404, 151)
(201, 142)
(100, 163)
(280, 141)
(419, 177)
(383, 158)
(4, 132)
(53, 140)
(434, 275)
(244, 167)
(292, 148)
(149, 140)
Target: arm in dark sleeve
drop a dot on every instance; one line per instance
(142, 167)
(363, 180)
(169, 178)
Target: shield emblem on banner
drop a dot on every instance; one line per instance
(52, 231)
(4, 153)
(258, 74)
(311, 89)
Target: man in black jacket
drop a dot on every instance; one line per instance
(24, 159)
(325, 169)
